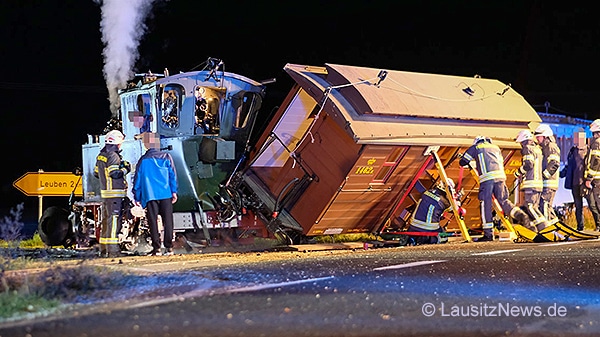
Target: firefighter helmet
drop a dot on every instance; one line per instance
(450, 183)
(544, 130)
(440, 185)
(524, 135)
(595, 126)
(114, 137)
(478, 139)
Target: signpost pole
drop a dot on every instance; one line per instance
(40, 201)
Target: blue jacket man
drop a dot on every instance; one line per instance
(155, 189)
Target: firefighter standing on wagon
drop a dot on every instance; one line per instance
(550, 166)
(111, 169)
(492, 183)
(530, 176)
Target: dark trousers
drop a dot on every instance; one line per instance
(578, 201)
(531, 201)
(487, 190)
(164, 208)
(425, 239)
(546, 204)
(111, 226)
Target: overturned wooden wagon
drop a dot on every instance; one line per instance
(346, 151)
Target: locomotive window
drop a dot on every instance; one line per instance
(206, 112)
(389, 165)
(249, 104)
(170, 105)
(143, 105)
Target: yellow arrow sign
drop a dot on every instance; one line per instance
(49, 184)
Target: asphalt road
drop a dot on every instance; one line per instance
(457, 289)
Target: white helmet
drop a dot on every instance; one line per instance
(450, 183)
(524, 135)
(478, 139)
(114, 137)
(442, 187)
(544, 130)
(595, 126)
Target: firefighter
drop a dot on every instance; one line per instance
(574, 174)
(429, 211)
(111, 169)
(492, 184)
(550, 168)
(530, 177)
(592, 170)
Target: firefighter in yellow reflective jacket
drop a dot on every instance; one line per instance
(592, 170)
(492, 183)
(550, 166)
(111, 170)
(429, 211)
(530, 177)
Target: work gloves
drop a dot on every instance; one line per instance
(125, 166)
(519, 172)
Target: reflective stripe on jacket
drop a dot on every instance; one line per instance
(489, 160)
(429, 210)
(531, 167)
(111, 175)
(550, 163)
(592, 171)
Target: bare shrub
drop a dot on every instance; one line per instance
(11, 226)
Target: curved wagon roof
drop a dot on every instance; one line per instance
(379, 106)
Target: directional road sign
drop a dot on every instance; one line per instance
(49, 184)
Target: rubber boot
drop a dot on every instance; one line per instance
(109, 243)
(522, 218)
(543, 224)
(488, 235)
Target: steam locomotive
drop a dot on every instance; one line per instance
(205, 120)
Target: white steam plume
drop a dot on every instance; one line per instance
(122, 27)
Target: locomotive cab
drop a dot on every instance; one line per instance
(203, 123)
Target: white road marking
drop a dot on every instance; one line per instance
(408, 265)
(494, 252)
(559, 243)
(205, 291)
(275, 285)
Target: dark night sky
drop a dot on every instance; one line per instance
(54, 94)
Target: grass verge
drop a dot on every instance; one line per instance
(14, 304)
(28, 290)
(361, 237)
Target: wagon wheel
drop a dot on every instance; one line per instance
(225, 209)
(283, 237)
